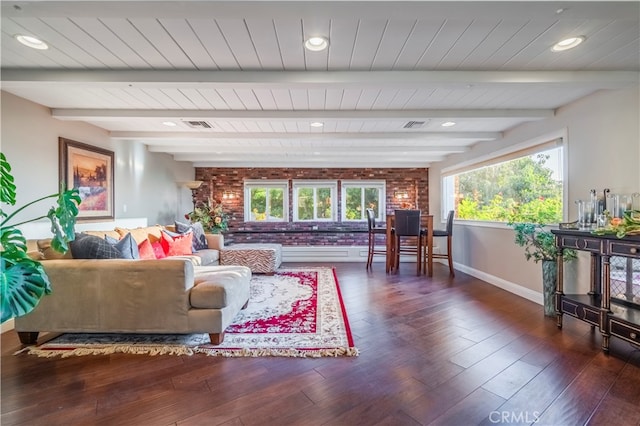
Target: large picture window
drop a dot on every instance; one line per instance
(526, 185)
(359, 195)
(314, 200)
(266, 201)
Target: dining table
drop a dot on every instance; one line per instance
(426, 234)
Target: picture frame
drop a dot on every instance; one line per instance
(90, 170)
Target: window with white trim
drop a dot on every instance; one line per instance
(523, 185)
(314, 201)
(359, 195)
(266, 200)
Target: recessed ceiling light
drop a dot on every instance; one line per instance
(448, 124)
(169, 123)
(33, 42)
(316, 44)
(567, 43)
(316, 124)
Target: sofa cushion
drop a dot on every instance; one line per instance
(36, 255)
(208, 256)
(92, 247)
(127, 246)
(218, 287)
(199, 240)
(152, 233)
(194, 259)
(103, 234)
(44, 246)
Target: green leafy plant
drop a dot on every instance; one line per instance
(24, 281)
(539, 244)
(211, 215)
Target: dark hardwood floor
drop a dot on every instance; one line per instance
(432, 351)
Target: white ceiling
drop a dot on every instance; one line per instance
(240, 66)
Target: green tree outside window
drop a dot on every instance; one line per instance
(520, 190)
(267, 203)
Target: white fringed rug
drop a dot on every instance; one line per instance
(294, 313)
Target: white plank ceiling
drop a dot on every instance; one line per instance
(241, 68)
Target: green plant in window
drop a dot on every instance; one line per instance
(276, 203)
(305, 203)
(371, 199)
(353, 204)
(259, 203)
(323, 203)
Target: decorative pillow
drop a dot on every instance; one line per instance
(158, 250)
(145, 250)
(127, 246)
(176, 246)
(199, 240)
(92, 247)
(152, 233)
(103, 233)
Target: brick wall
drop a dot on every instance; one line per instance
(217, 180)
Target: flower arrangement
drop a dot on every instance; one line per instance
(628, 224)
(211, 215)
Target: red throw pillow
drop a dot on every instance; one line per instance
(158, 250)
(177, 246)
(146, 250)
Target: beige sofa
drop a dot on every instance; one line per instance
(174, 295)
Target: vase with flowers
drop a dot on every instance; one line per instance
(211, 215)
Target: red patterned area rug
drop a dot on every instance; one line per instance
(294, 313)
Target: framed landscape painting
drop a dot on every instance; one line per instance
(90, 170)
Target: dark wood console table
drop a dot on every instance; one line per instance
(617, 316)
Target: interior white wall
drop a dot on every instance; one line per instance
(603, 148)
(146, 183)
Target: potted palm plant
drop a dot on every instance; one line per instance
(24, 280)
(539, 245)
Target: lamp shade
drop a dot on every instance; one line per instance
(193, 184)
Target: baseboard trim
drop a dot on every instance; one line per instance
(326, 254)
(516, 289)
(333, 254)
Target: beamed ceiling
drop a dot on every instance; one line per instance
(236, 80)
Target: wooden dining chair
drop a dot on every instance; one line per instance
(407, 236)
(374, 231)
(448, 233)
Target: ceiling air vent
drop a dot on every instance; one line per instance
(198, 124)
(413, 124)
